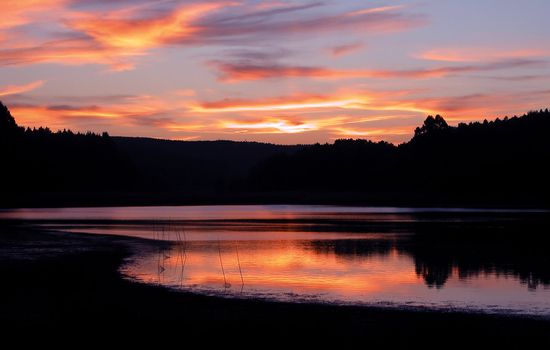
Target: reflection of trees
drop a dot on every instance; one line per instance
(351, 248)
(433, 274)
(515, 249)
(468, 250)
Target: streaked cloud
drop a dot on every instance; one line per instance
(275, 23)
(238, 71)
(20, 12)
(272, 126)
(336, 103)
(482, 54)
(70, 52)
(275, 71)
(294, 102)
(343, 125)
(345, 49)
(128, 30)
(185, 92)
(373, 133)
(116, 37)
(122, 110)
(377, 115)
(477, 105)
(18, 89)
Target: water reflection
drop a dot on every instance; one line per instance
(242, 212)
(401, 269)
(523, 260)
(495, 261)
(437, 260)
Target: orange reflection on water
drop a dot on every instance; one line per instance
(276, 266)
(356, 255)
(329, 270)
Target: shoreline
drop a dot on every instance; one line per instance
(309, 301)
(353, 199)
(76, 278)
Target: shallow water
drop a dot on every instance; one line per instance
(474, 260)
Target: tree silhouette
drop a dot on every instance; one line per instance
(39, 160)
(431, 125)
(8, 126)
(495, 162)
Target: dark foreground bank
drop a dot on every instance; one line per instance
(60, 281)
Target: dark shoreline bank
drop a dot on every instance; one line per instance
(175, 198)
(56, 279)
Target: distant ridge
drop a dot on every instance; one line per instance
(499, 162)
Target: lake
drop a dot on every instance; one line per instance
(493, 261)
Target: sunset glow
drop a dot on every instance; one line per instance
(288, 267)
(282, 72)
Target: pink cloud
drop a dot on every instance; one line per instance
(346, 49)
(117, 37)
(477, 54)
(246, 70)
(18, 89)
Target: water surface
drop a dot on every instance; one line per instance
(474, 260)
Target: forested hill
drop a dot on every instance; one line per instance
(495, 162)
(497, 159)
(42, 161)
(195, 166)
(39, 160)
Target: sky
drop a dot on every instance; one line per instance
(272, 71)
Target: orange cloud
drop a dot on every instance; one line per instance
(123, 112)
(166, 116)
(118, 37)
(114, 39)
(270, 126)
(476, 106)
(377, 115)
(270, 4)
(18, 89)
(69, 51)
(185, 92)
(144, 33)
(375, 10)
(478, 54)
(373, 132)
(308, 103)
(303, 101)
(19, 12)
(339, 126)
(142, 115)
(386, 18)
(286, 125)
(314, 108)
(232, 72)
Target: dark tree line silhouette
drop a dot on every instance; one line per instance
(41, 160)
(501, 161)
(196, 167)
(41, 167)
(504, 158)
